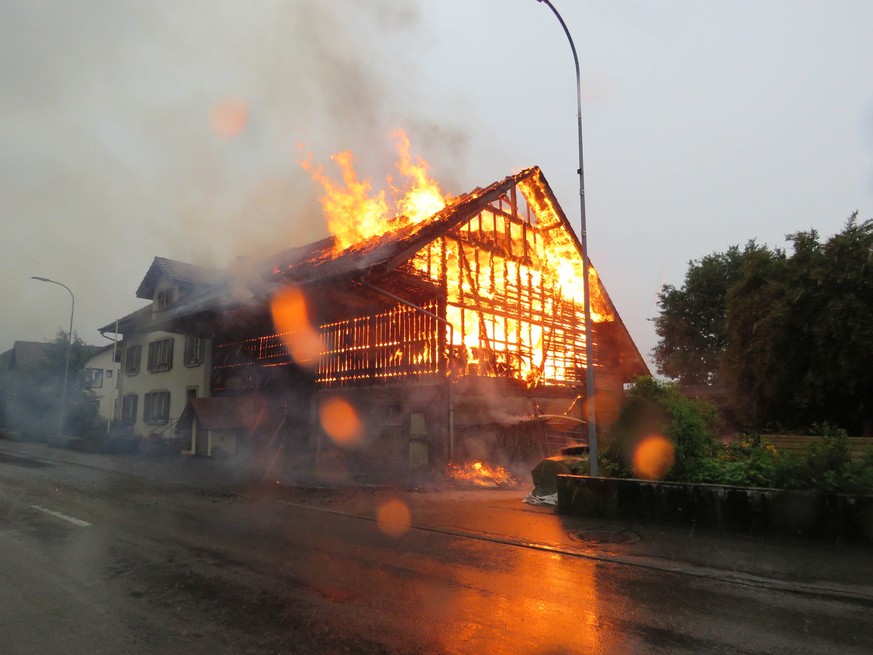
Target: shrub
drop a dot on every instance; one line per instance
(660, 408)
(825, 466)
(746, 464)
(654, 407)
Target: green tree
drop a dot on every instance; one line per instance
(691, 323)
(32, 397)
(759, 364)
(799, 346)
(791, 337)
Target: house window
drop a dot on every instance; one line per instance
(132, 356)
(195, 347)
(156, 408)
(108, 373)
(93, 378)
(163, 298)
(161, 355)
(128, 408)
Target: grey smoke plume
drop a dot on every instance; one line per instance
(175, 129)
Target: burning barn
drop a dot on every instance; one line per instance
(429, 338)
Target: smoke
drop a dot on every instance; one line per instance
(132, 130)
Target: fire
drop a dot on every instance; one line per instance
(481, 474)
(356, 212)
(423, 198)
(513, 278)
(564, 257)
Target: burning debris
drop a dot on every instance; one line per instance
(480, 474)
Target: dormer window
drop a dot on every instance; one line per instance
(164, 298)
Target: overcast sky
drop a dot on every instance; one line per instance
(139, 129)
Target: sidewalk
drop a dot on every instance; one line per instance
(823, 569)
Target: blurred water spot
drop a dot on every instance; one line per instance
(291, 321)
(653, 457)
(340, 422)
(393, 517)
(229, 117)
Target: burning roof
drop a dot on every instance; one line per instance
(489, 284)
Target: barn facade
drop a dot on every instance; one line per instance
(434, 341)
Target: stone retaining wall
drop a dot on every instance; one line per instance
(743, 509)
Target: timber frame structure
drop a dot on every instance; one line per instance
(462, 325)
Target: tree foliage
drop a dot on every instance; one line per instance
(31, 397)
(790, 336)
(691, 325)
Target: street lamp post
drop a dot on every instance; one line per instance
(69, 347)
(589, 345)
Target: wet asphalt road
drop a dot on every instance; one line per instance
(96, 561)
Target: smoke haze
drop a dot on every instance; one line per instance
(132, 130)
(138, 129)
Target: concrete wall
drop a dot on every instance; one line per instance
(719, 507)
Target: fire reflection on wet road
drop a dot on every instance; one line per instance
(251, 570)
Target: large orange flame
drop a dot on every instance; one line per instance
(513, 274)
(356, 212)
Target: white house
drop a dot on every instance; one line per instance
(101, 374)
(160, 371)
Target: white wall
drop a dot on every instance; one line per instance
(177, 380)
(105, 387)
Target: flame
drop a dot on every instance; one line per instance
(424, 198)
(352, 211)
(481, 474)
(513, 276)
(355, 212)
(563, 255)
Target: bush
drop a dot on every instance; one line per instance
(660, 408)
(746, 464)
(825, 466)
(83, 420)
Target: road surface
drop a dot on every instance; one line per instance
(154, 560)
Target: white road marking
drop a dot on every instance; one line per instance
(71, 519)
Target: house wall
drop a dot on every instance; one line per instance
(103, 373)
(222, 441)
(406, 426)
(179, 380)
(403, 427)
